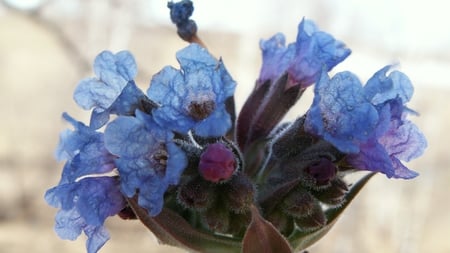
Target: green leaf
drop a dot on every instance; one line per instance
(172, 229)
(262, 237)
(302, 240)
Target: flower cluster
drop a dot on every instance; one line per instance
(182, 161)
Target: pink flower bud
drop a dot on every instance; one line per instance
(217, 163)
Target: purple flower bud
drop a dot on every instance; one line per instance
(310, 223)
(333, 194)
(299, 203)
(197, 194)
(217, 163)
(323, 171)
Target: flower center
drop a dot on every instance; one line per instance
(217, 163)
(200, 110)
(159, 160)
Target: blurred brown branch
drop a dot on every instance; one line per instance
(69, 46)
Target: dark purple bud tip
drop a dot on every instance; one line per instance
(239, 192)
(217, 163)
(323, 171)
(180, 12)
(313, 222)
(127, 213)
(200, 110)
(196, 194)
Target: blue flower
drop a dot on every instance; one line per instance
(85, 197)
(395, 139)
(85, 152)
(340, 112)
(193, 98)
(304, 59)
(368, 123)
(113, 90)
(149, 161)
(85, 205)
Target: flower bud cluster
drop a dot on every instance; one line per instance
(216, 190)
(305, 179)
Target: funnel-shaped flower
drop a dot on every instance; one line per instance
(395, 137)
(193, 98)
(113, 90)
(148, 160)
(368, 123)
(304, 59)
(85, 197)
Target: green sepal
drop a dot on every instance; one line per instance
(301, 240)
(173, 230)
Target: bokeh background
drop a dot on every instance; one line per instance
(47, 46)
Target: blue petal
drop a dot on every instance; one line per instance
(114, 71)
(95, 198)
(304, 59)
(315, 49)
(69, 224)
(340, 113)
(372, 157)
(126, 103)
(405, 142)
(91, 92)
(99, 118)
(276, 57)
(168, 89)
(97, 237)
(195, 57)
(134, 137)
(173, 119)
(401, 171)
(122, 63)
(85, 151)
(216, 124)
(201, 79)
(381, 88)
(138, 142)
(162, 83)
(85, 205)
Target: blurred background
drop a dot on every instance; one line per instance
(47, 46)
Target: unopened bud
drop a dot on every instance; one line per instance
(217, 163)
(334, 194)
(239, 222)
(217, 218)
(299, 203)
(291, 141)
(323, 171)
(284, 223)
(196, 194)
(314, 221)
(239, 193)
